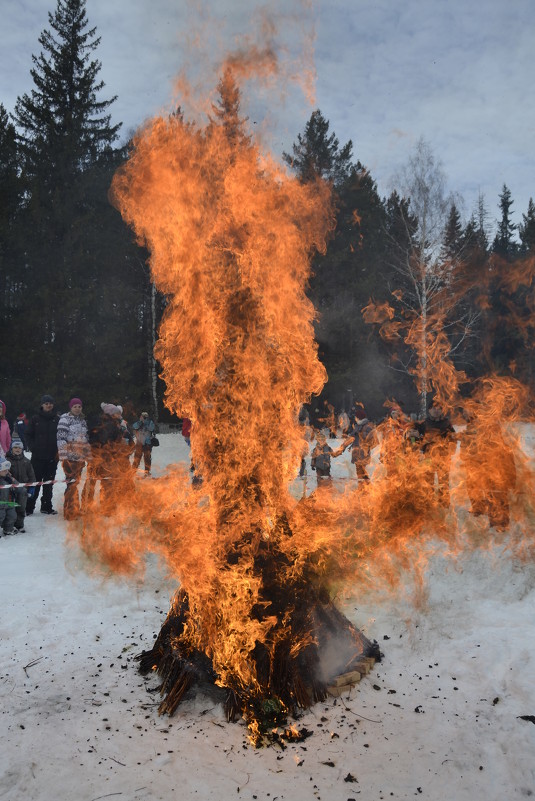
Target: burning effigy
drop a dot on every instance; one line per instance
(231, 235)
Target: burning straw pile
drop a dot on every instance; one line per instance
(230, 236)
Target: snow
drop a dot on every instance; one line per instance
(439, 718)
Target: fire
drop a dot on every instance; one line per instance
(230, 236)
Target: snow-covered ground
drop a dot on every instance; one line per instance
(439, 718)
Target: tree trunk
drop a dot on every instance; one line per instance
(153, 373)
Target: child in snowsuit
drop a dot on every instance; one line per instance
(23, 473)
(321, 458)
(8, 513)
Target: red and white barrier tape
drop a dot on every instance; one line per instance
(54, 481)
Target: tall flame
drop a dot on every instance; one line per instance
(230, 236)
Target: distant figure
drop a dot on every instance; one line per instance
(5, 434)
(111, 446)
(143, 430)
(186, 430)
(343, 423)
(394, 442)
(321, 458)
(41, 439)
(363, 440)
(304, 420)
(23, 473)
(8, 513)
(21, 424)
(74, 451)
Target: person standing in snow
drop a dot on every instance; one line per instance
(186, 430)
(22, 472)
(8, 513)
(41, 439)
(322, 455)
(19, 429)
(143, 431)
(363, 440)
(74, 452)
(111, 446)
(5, 434)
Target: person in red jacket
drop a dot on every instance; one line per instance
(186, 430)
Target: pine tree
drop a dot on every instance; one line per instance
(504, 244)
(10, 196)
(527, 229)
(452, 243)
(62, 128)
(227, 109)
(84, 292)
(9, 171)
(318, 155)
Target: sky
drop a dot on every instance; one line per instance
(385, 73)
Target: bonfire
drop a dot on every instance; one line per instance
(230, 235)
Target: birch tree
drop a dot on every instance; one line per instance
(425, 257)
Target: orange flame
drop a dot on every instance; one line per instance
(230, 236)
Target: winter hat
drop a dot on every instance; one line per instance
(144, 414)
(4, 464)
(16, 442)
(74, 402)
(47, 399)
(111, 409)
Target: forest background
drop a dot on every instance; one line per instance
(405, 285)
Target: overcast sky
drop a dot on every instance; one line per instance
(387, 72)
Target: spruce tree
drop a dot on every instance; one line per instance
(10, 252)
(316, 154)
(452, 243)
(84, 293)
(504, 244)
(343, 278)
(527, 228)
(62, 127)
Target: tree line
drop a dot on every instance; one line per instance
(404, 287)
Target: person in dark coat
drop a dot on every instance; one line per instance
(41, 439)
(363, 440)
(21, 424)
(23, 473)
(111, 446)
